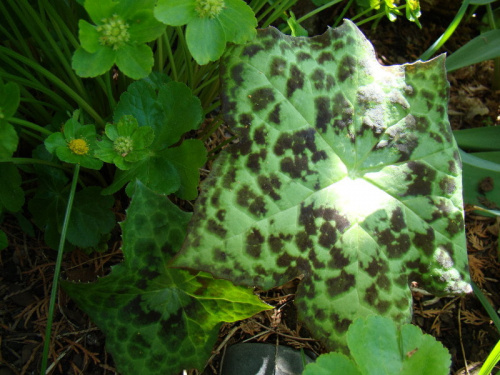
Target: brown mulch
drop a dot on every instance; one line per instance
(460, 323)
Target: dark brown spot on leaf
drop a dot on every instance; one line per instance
(295, 81)
(261, 98)
(254, 243)
(340, 284)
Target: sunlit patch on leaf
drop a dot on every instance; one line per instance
(346, 172)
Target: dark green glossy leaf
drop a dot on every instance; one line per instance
(11, 192)
(91, 217)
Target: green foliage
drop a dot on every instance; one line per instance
(118, 36)
(390, 8)
(378, 347)
(480, 154)
(159, 320)
(210, 24)
(91, 219)
(9, 101)
(11, 192)
(484, 47)
(76, 144)
(309, 174)
(125, 143)
(171, 110)
(346, 172)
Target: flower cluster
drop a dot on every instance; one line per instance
(125, 143)
(210, 24)
(118, 36)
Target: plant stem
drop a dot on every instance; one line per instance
(29, 125)
(187, 56)
(32, 161)
(56, 81)
(448, 32)
(496, 70)
(57, 271)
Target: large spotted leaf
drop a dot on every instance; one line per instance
(157, 320)
(346, 172)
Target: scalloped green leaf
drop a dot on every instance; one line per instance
(378, 347)
(346, 173)
(159, 320)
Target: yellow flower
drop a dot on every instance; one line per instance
(79, 146)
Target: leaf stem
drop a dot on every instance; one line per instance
(56, 81)
(32, 161)
(187, 56)
(57, 271)
(173, 67)
(30, 125)
(448, 32)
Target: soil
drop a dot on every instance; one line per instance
(460, 323)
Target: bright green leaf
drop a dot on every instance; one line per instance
(9, 100)
(88, 64)
(483, 47)
(8, 140)
(119, 35)
(144, 27)
(89, 37)
(99, 9)
(346, 173)
(378, 347)
(209, 25)
(175, 12)
(238, 21)
(422, 353)
(332, 364)
(205, 39)
(188, 158)
(481, 181)
(479, 139)
(169, 108)
(135, 61)
(182, 112)
(374, 345)
(159, 320)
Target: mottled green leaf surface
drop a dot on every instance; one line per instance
(346, 172)
(159, 320)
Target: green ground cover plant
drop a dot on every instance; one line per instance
(106, 100)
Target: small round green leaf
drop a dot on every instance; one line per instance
(135, 61)
(238, 21)
(332, 364)
(175, 12)
(206, 39)
(88, 64)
